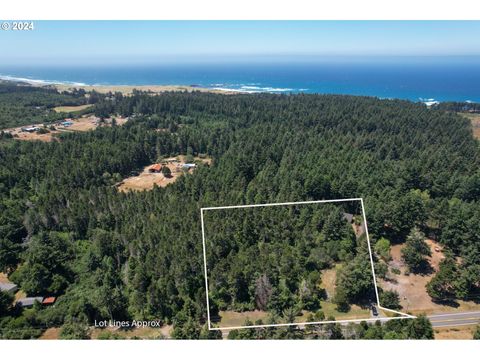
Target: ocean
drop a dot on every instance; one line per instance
(426, 81)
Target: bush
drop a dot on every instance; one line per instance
(390, 299)
(382, 248)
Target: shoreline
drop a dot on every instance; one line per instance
(124, 89)
(158, 89)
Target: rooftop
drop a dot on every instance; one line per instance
(49, 300)
(29, 301)
(8, 287)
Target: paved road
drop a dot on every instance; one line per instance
(455, 319)
(437, 320)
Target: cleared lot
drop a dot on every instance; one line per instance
(146, 179)
(85, 123)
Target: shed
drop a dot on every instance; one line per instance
(49, 300)
(188, 166)
(8, 287)
(29, 301)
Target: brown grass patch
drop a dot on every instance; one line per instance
(455, 333)
(4, 278)
(475, 120)
(141, 333)
(236, 318)
(412, 288)
(329, 277)
(128, 89)
(69, 109)
(51, 334)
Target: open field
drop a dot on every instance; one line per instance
(235, 318)
(475, 120)
(51, 334)
(146, 180)
(137, 333)
(328, 280)
(68, 109)
(455, 333)
(412, 288)
(330, 309)
(128, 89)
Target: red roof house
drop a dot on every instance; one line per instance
(155, 168)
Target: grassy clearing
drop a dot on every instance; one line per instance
(330, 309)
(234, 318)
(455, 333)
(475, 120)
(71, 109)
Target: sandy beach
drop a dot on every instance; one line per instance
(128, 89)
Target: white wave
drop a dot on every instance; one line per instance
(430, 101)
(253, 89)
(266, 89)
(40, 81)
(236, 90)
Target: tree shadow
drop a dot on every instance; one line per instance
(446, 302)
(423, 269)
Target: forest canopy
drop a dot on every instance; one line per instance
(139, 255)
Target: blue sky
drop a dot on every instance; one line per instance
(110, 42)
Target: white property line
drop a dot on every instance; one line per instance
(404, 316)
(454, 325)
(373, 266)
(309, 323)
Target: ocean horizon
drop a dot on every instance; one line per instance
(419, 82)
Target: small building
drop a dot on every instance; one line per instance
(29, 301)
(30, 129)
(66, 123)
(155, 168)
(188, 166)
(49, 300)
(348, 217)
(10, 288)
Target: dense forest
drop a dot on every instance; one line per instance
(271, 258)
(66, 231)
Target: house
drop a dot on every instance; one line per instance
(8, 287)
(49, 300)
(155, 168)
(29, 301)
